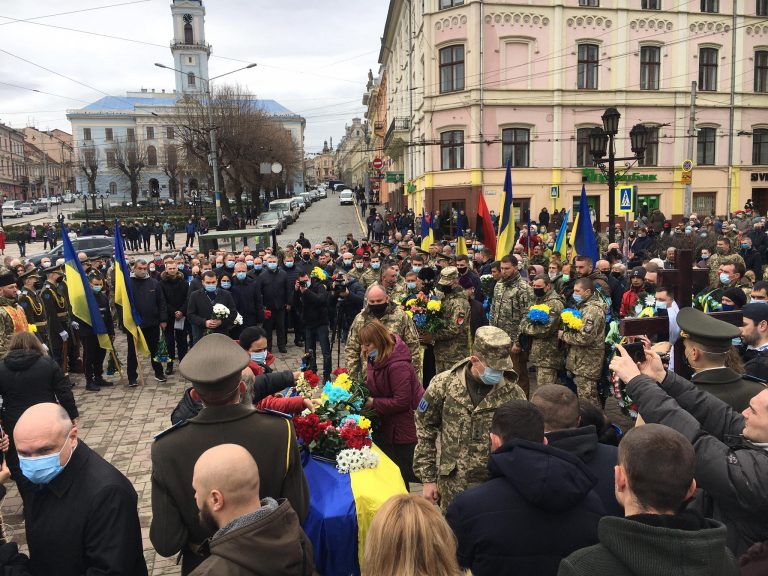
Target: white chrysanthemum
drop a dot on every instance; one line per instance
(351, 460)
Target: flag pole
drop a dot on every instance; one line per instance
(139, 367)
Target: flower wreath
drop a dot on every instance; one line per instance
(572, 319)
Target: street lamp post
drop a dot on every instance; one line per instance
(602, 140)
(213, 158)
(85, 204)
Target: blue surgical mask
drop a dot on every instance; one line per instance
(249, 263)
(753, 301)
(289, 264)
(347, 263)
(226, 285)
(318, 252)
(375, 265)
(416, 269)
(210, 287)
(491, 377)
(744, 246)
(96, 289)
(272, 265)
(372, 355)
(230, 263)
(661, 305)
(258, 266)
(724, 278)
(42, 469)
(259, 357)
(241, 275)
(578, 298)
(219, 264)
(411, 285)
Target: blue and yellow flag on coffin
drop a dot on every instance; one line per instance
(560, 244)
(124, 296)
(342, 507)
(461, 243)
(81, 298)
(427, 237)
(506, 239)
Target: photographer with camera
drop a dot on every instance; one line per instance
(349, 296)
(314, 300)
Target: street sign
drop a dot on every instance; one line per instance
(395, 177)
(378, 163)
(686, 178)
(687, 165)
(625, 198)
(554, 191)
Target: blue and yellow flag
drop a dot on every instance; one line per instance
(461, 243)
(560, 244)
(81, 297)
(585, 241)
(506, 241)
(124, 296)
(427, 237)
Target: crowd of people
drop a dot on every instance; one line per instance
(496, 406)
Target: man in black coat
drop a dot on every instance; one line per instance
(292, 270)
(538, 507)
(560, 409)
(175, 289)
(83, 517)
(201, 303)
(247, 295)
(753, 260)
(314, 300)
(277, 295)
(149, 301)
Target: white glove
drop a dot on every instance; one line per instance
(64, 335)
(75, 325)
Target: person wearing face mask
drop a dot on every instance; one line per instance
(586, 347)
(724, 254)
(314, 302)
(59, 330)
(277, 295)
(358, 268)
(703, 261)
(200, 307)
(545, 354)
(65, 527)
(448, 417)
(372, 274)
(733, 299)
(93, 353)
(248, 300)
(752, 258)
(175, 289)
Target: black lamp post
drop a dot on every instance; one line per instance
(602, 143)
(85, 204)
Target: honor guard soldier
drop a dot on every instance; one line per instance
(228, 417)
(12, 317)
(55, 305)
(32, 305)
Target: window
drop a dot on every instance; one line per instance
(708, 69)
(651, 157)
(705, 147)
(108, 136)
(169, 133)
(588, 61)
(150, 133)
(189, 37)
(151, 156)
(650, 4)
(190, 79)
(131, 135)
(111, 161)
(86, 133)
(760, 146)
(450, 3)
(452, 69)
(452, 150)
(704, 202)
(583, 157)
(516, 144)
(650, 66)
(761, 71)
(112, 188)
(594, 3)
(712, 6)
(761, 8)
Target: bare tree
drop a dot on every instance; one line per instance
(130, 159)
(172, 169)
(88, 162)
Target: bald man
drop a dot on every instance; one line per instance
(82, 518)
(250, 535)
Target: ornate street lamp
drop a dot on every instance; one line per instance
(602, 148)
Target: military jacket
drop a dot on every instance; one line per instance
(511, 300)
(33, 308)
(369, 277)
(356, 274)
(545, 349)
(447, 417)
(396, 292)
(451, 344)
(55, 308)
(9, 325)
(716, 259)
(586, 347)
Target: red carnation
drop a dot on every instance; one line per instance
(307, 427)
(354, 436)
(340, 371)
(267, 314)
(311, 378)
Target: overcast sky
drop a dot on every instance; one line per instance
(313, 57)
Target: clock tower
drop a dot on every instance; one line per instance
(189, 49)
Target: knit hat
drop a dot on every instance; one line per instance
(736, 295)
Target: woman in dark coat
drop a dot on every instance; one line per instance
(395, 393)
(27, 377)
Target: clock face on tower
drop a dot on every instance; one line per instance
(187, 18)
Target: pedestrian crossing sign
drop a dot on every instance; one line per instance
(625, 199)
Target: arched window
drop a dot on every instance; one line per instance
(189, 37)
(151, 156)
(190, 79)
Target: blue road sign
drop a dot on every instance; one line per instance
(625, 199)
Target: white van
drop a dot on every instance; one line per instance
(346, 197)
(288, 205)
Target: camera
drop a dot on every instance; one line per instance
(636, 351)
(339, 285)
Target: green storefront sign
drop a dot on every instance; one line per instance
(593, 175)
(396, 177)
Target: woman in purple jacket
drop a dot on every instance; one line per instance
(395, 393)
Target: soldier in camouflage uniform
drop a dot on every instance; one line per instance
(358, 269)
(32, 305)
(455, 414)
(393, 284)
(393, 317)
(546, 354)
(723, 255)
(512, 297)
(586, 347)
(371, 276)
(12, 317)
(451, 344)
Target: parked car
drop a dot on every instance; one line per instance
(93, 246)
(322, 193)
(302, 203)
(68, 198)
(314, 194)
(307, 198)
(346, 197)
(29, 207)
(269, 221)
(12, 209)
(289, 205)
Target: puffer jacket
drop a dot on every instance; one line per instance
(175, 289)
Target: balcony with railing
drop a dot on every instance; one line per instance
(399, 127)
(192, 46)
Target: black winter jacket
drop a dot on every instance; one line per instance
(175, 290)
(200, 309)
(315, 305)
(149, 301)
(247, 296)
(275, 290)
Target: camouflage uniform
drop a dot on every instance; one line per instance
(546, 354)
(455, 414)
(7, 325)
(541, 261)
(397, 322)
(357, 274)
(586, 348)
(396, 292)
(511, 300)
(451, 344)
(602, 243)
(714, 264)
(369, 277)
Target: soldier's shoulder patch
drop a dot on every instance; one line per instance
(167, 431)
(588, 325)
(460, 317)
(423, 404)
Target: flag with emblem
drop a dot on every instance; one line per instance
(506, 239)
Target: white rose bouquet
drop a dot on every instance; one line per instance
(220, 312)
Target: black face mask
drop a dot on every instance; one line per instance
(617, 274)
(305, 257)
(650, 287)
(539, 292)
(462, 271)
(378, 310)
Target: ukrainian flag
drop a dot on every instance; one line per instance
(124, 296)
(427, 236)
(506, 241)
(81, 298)
(560, 244)
(461, 243)
(342, 507)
